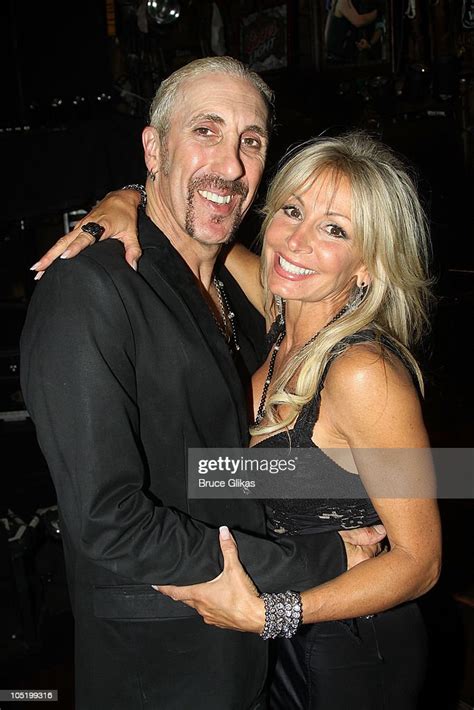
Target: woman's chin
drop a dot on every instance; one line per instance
(283, 290)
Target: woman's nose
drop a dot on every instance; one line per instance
(300, 240)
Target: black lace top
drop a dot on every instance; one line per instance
(304, 516)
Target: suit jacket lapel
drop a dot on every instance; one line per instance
(167, 264)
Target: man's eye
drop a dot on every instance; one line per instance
(203, 131)
(292, 211)
(335, 231)
(252, 142)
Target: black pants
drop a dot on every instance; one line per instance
(368, 664)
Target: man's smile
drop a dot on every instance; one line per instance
(214, 197)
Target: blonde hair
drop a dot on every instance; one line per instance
(391, 233)
(165, 98)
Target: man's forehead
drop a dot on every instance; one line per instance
(218, 97)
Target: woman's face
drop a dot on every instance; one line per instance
(309, 248)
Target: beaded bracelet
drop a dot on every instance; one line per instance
(141, 191)
(283, 614)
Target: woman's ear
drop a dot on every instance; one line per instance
(151, 147)
(363, 277)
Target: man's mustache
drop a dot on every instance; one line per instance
(207, 182)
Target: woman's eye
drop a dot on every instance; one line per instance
(335, 231)
(292, 211)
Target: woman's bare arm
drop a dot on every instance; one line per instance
(244, 266)
(374, 406)
(117, 213)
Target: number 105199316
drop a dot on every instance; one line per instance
(28, 695)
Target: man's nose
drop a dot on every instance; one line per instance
(227, 161)
(299, 241)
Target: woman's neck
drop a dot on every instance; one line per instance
(304, 320)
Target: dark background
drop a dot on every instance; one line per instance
(77, 79)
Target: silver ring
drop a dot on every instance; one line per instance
(94, 229)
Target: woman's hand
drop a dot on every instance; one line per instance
(117, 213)
(231, 600)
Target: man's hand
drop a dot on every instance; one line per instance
(362, 543)
(117, 213)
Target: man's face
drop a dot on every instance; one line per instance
(211, 160)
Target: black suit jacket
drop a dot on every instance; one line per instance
(122, 373)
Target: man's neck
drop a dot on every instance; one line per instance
(200, 257)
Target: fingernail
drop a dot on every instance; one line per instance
(35, 266)
(65, 254)
(38, 275)
(379, 528)
(224, 532)
(134, 265)
(155, 587)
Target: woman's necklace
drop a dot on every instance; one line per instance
(271, 366)
(227, 315)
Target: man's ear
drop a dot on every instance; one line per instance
(151, 147)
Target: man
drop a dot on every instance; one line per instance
(122, 373)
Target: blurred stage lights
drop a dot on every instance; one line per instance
(163, 12)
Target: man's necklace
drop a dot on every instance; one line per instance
(227, 324)
(271, 365)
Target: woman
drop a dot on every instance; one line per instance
(344, 293)
(340, 33)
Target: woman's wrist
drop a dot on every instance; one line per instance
(283, 614)
(256, 615)
(138, 192)
(305, 606)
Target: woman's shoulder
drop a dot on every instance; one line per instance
(371, 399)
(367, 368)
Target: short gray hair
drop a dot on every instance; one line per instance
(165, 98)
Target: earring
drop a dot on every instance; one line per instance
(280, 307)
(151, 175)
(358, 296)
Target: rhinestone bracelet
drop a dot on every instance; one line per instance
(141, 191)
(283, 614)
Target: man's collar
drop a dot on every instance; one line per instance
(166, 262)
